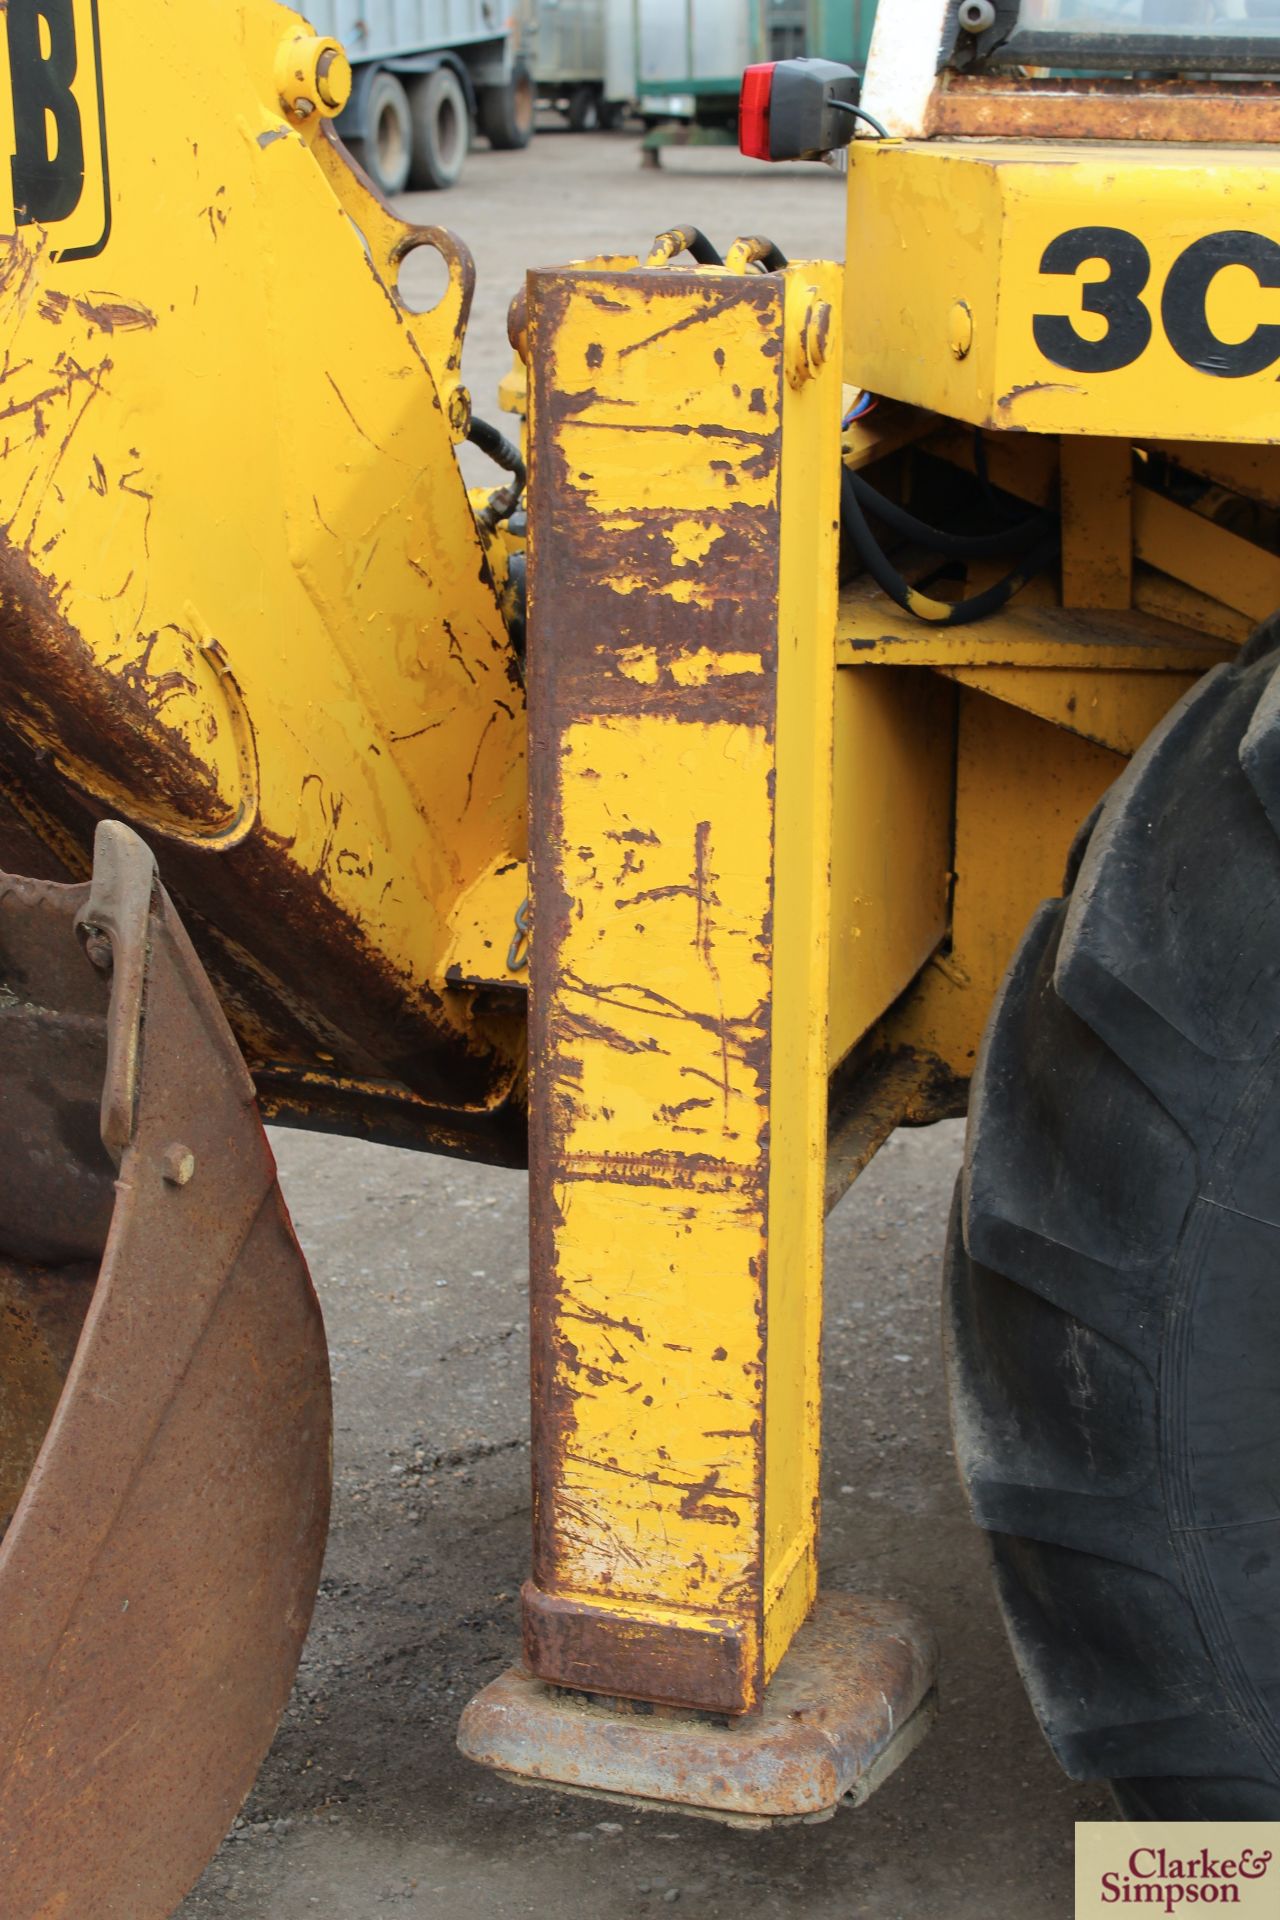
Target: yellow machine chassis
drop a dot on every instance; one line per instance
(782, 835)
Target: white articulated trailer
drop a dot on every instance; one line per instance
(593, 60)
(582, 55)
(426, 73)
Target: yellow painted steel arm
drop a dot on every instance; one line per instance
(243, 600)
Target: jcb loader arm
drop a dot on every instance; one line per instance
(244, 602)
(246, 608)
(164, 1405)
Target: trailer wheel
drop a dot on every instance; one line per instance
(1114, 1274)
(387, 142)
(583, 112)
(507, 113)
(441, 129)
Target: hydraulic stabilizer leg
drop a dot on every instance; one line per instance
(685, 459)
(164, 1405)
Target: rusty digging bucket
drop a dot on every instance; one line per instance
(165, 1420)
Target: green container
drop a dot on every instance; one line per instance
(841, 30)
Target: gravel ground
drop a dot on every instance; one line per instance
(364, 1806)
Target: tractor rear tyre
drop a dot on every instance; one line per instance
(1114, 1274)
(508, 113)
(386, 147)
(441, 129)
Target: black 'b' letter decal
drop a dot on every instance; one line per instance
(46, 185)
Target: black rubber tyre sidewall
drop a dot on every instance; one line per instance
(584, 111)
(1114, 1299)
(508, 114)
(386, 97)
(441, 130)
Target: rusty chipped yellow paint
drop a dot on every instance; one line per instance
(682, 622)
(237, 548)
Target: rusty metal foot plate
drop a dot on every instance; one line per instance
(853, 1697)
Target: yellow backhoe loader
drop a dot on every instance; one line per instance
(680, 814)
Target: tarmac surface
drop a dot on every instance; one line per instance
(364, 1807)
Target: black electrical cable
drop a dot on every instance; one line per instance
(860, 113)
(957, 546)
(938, 613)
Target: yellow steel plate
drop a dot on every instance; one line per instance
(1103, 289)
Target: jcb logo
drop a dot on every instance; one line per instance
(57, 130)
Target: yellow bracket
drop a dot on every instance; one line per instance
(439, 331)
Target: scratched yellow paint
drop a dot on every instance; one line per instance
(664, 973)
(981, 217)
(663, 848)
(227, 456)
(708, 450)
(658, 1498)
(681, 1076)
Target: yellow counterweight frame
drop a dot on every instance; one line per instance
(1069, 288)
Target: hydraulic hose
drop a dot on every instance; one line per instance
(500, 450)
(957, 546)
(505, 455)
(938, 613)
(677, 240)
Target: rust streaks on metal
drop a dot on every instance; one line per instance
(570, 1643)
(850, 1700)
(1009, 108)
(301, 977)
(653, 640)
(159, 1565)
(108, 313)
(688, 628)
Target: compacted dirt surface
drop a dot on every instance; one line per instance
(364, 1807)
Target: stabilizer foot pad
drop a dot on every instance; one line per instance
(853, 1697)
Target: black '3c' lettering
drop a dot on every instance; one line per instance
(1186, 291)
(1117, 299)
